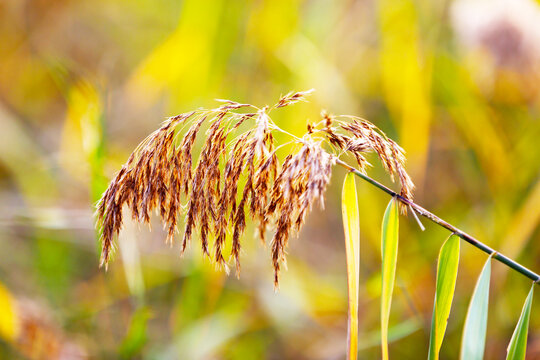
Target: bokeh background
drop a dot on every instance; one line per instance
(83, 82)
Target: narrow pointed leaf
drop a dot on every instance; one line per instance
(473, 340)
(518, 343)
(389, 250)
(447, 269)
(351, 227)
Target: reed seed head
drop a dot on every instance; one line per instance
(237, 175)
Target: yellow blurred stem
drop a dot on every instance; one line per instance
(406, 83)
(9, 327)
(351, 226)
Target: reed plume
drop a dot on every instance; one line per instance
(238, 175)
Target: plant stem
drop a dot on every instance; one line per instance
(437, 220)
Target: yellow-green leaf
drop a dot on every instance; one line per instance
(447, 269)
(473, 340)
(351, 226)
(518, 343)
(389, 250)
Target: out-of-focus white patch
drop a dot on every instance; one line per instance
(508, 29)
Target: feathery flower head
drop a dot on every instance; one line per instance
(237, 175)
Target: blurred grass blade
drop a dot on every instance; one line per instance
(137, 334)
(407, 82)
(474, 332)
(518, 343)
(9, 326)
(351, 226)
(395, 332)
(447, 269)
(389, 250)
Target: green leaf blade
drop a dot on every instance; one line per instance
(518, 344)
(447, 269)
(351, 227)
(389, 251)
(474, 331)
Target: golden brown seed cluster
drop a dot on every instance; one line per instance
(236, 175)
(358, 136)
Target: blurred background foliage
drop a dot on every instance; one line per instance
(83, 82)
